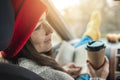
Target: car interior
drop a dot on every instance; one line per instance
(70, 23)
(69, 19)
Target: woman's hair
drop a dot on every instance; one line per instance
(43, 59)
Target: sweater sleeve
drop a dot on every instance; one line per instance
(44, 71)
(51, 74)
(97, 78)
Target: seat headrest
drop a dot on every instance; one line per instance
(6, 23)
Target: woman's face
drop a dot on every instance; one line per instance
(41, 37)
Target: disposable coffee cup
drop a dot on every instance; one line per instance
(96, 53)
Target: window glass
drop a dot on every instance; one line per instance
(76, 14)
(56, 39)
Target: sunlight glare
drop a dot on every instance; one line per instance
(62, 4)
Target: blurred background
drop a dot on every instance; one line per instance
(76, 14)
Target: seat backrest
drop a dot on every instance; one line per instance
(14, 72)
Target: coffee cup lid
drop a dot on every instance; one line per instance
(95, 46)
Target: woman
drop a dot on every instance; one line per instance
(33, 35)
(27, 15)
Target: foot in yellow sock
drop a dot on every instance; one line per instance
(93, 30)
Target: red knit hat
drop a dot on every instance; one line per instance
(28, 13)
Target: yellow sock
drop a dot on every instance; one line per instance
(93, 30)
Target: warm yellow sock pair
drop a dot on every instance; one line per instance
(93, 30)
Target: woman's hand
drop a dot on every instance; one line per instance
(72, 69)
(102, 72)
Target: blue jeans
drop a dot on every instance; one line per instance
(82, 41)
(84, 77)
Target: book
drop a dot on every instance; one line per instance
(67, 54)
